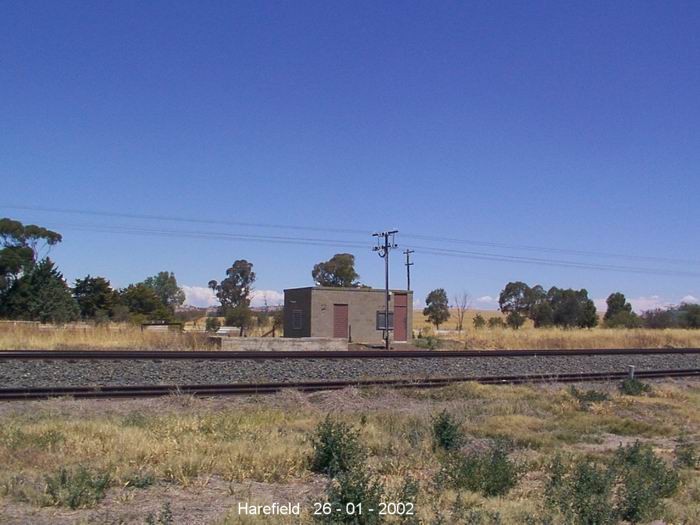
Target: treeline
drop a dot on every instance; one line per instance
(560, 307)
(33, 289)
(568, 308)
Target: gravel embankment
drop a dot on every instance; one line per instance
(80, 372)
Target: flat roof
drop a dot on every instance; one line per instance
(343, 289)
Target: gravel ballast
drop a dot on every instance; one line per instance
(38, 373)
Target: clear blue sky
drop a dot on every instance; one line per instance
(570, 125)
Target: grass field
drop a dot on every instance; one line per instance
(24, 336)
(187, 460)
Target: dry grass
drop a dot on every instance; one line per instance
(35, 337)
(108, 336)
(255, 449)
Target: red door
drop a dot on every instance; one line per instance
(400, 317)
(340, 321)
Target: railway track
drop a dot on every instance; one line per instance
(60, 355)
(15, 394)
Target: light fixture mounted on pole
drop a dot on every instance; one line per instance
(385, 243)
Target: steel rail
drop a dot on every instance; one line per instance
(61, 355)
(14, 394)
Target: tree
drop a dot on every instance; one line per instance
(41, 294)
(616, 303)
(462, 303)
(690, 315)
(542, 314)
(338, 271)
(167, 290)
(241, 316)
(143, 301)
(20, 246)
(496, 322)
(94, 296)
(236, 287)
(515, 320)
(479, 321)
(234, 293)
(515, 297)
(572, 308)
(437, 307)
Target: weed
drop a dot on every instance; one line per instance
(630, 488)
(355, 491)
(586, 398)
(489, 472)
(447, 433)
(582, 494)
(634, 387)
(140, 480)
(75, 488)
(644, 480)
(165, 516)
(336, 448)
(686, 454)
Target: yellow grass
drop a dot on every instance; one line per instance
(109, 336)
(30, 336)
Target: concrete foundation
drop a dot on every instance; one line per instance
(281, 344)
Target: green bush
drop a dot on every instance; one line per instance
(489, 472)
(212, 324)
(430, 342)
(336, 448)
(587, 397)
(686, 454)
(630, 488)
(582, 493)
(447, 433)
(479, 321)
(634, 387)
(351, 491)
(76, 488)
(644, 480)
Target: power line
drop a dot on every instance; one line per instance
(430, 238)
(311, 241)
(551, 262)
(184, 219)
(526, 247)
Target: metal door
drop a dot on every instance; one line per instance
(400, 317)
(340, 321)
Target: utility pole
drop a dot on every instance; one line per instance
(408, 253)
(383, 249)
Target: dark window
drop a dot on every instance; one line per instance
(381, 320)
(296, 319)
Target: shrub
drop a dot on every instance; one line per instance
(496, 322)
(582, 494)
(353, 490)
(585, 398)
(489, 472)
(430, 342)
(644, 479)
(479, 321)
(686, 454)
(634, 387)
(630, 488)
(515, 320)
(212, 324)
(336, 448)
(140, 480)
(447, 433)
(76, 489)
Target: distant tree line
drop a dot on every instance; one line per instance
(33, 289)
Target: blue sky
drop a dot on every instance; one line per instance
(568, 126)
